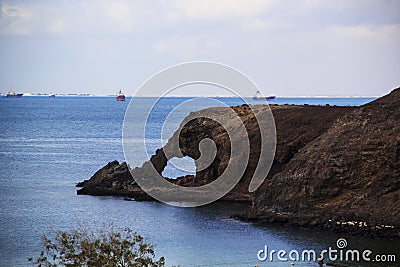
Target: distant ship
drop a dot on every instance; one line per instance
(52, 95)
(12, 94)
(120, 96)
(258, 96)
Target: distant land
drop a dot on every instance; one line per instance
(28, 94)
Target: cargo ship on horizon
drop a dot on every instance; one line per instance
(120, 96)
(257, 96)
(12, 94)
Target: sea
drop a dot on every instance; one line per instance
(47, 145)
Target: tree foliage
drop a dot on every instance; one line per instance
(107, 246)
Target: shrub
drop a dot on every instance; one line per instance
(108, 246)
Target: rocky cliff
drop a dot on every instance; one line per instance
(335, 168)
(348, 178)
(295, 125)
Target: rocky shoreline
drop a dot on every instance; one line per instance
(319, 221)
(335, 168)
(114, 179)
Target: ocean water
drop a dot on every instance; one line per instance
(47, 145)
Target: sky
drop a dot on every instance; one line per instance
(288, 48)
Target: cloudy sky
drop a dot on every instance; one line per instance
(287, 47)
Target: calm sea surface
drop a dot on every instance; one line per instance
(47, 145)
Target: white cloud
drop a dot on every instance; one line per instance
(104, 17)
(378, 32)
(26, 18)
(121, 14)
(13, 20)
(257, 24)
(58, 26)
(70, 17)
(222, 9)
(263, 24)
(274, 39)
(187, 44)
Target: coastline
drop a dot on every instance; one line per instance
(298, 127)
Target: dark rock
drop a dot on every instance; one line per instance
(335, 168)
(296, 126)
(114, 179)
(351, 173)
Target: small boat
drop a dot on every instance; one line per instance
(120, 96)
(258, 96)
(52, 95)
(12, 94)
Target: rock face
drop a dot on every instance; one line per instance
(349, 175)
(114, 179)
(335, 168)
(295, 125)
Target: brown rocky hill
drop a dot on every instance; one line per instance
(347, 177)
(295, 126)
(335, 168)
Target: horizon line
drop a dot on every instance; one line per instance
(197, 96)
